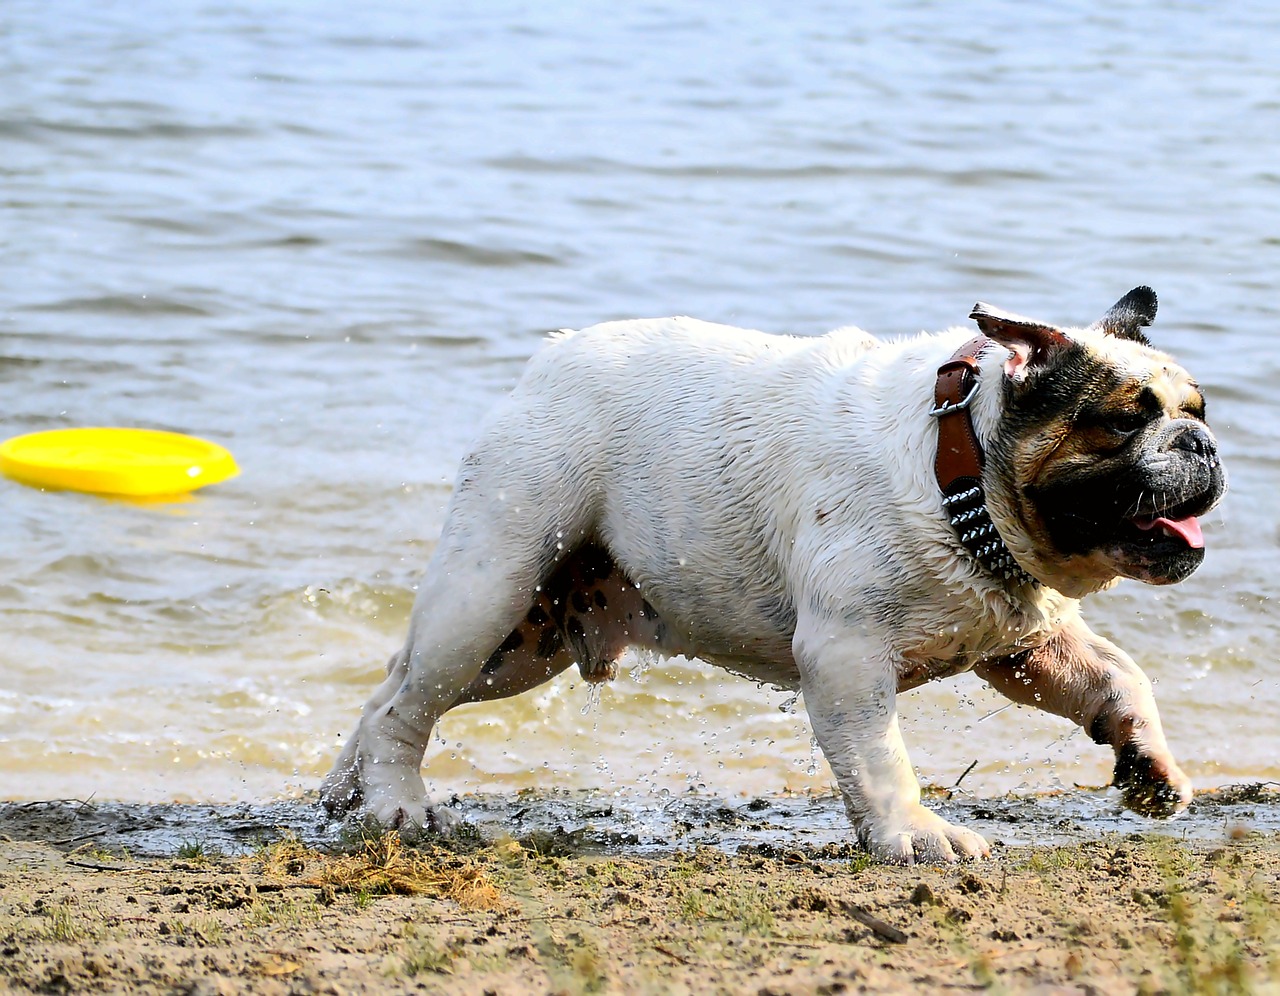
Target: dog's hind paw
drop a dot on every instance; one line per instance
(341, 792)
(923, 837)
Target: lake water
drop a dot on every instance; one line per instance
(328, 236)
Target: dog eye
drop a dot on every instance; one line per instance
(1125, 423)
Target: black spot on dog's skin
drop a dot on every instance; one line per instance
(514, 640)
(1128, 764)
(550, 642)
(594, 563)
(648, 611)
(580, 603)
(537, 617)
(600, 600)
(576, 637)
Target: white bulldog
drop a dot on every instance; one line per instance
(837, 514)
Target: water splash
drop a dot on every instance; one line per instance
(815, 757)
(644, 660)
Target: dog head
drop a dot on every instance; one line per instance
(1101, 460)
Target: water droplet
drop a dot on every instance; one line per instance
(593, 697)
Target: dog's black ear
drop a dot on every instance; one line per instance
(1130, 315)
(1032, 343)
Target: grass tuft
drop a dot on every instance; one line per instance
(197, 852)
(380, 865)
(64, 926)
(424, 955)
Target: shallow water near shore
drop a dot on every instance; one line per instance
(630, 824)
(329, 239)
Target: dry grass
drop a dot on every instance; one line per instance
(382, 865)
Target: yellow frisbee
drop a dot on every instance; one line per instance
(134, 462)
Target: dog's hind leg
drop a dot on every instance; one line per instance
(1091, 681)
(495, 548)
(457, 623)
(342, 789)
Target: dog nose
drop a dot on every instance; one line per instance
(1195, 439)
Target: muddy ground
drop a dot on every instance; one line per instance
(584, 892)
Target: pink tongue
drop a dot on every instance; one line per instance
(1188, 529)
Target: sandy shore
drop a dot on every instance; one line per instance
(583, 892)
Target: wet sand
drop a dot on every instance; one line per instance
(587, 892)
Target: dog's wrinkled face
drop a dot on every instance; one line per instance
(1102, 455)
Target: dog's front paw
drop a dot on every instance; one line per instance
(1149, 785)
(403, 811)
(921, 836)
(413, 821)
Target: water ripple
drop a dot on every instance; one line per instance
(473, 254)
(35, 129)
(124, 304)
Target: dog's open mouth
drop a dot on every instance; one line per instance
(1165, 546)
(1158, 530)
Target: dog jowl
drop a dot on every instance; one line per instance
(842, 515)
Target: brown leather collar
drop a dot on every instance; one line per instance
(959, 452)
(958, 464)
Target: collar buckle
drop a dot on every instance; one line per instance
(947, 406)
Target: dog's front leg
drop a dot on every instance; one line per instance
(1091, 681)
(849, 682)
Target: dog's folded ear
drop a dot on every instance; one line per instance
(1130, 315)
(1032, 343)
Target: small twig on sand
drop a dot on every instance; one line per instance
(114, 868)
(791, 943)
(887, 931)
(966, 771)
(97, 867)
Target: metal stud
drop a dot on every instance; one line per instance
(979, 535)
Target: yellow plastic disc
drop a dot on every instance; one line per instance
(134, 462)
